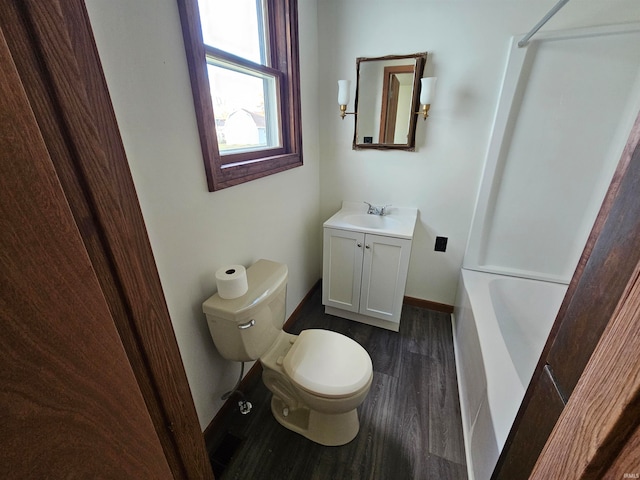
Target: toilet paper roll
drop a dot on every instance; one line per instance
(232, 281)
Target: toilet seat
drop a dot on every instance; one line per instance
(328, 364)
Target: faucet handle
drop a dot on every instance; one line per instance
(371, 208)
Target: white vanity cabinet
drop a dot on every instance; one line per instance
(364, 274)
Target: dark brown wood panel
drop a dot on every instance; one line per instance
(545, 407)
(70, 406)
(604, 409)
(628, 461)
(428, 304)
(57, 60)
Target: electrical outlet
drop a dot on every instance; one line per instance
(441, 244)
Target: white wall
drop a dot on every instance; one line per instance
(194, 232)
(468, 42)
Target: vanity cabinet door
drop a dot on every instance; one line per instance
(384, 276)
(342, 269)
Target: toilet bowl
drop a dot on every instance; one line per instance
(318, 378)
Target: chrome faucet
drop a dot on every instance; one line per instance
(373, 210)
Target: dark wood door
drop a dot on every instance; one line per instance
(70, 405)
(55, 57)
(392, 111)
(389, 108)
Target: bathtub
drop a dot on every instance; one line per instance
(501, 324)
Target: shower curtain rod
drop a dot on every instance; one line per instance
(525, 40)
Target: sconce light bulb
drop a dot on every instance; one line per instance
(427, 90)
(343, 91)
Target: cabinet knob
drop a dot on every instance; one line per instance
(359, 245)
(367, 246)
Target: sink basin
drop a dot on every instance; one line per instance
(377, 222)
(399, 222)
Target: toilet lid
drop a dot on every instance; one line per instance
(328, 364)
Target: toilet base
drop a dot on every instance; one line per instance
(331, 430)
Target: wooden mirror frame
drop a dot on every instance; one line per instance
(420, 61)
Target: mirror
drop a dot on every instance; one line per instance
(387, 94)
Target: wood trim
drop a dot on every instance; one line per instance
(295, 315)
(285, 16)
(59, 64)
(384, 114)
(627, 461)
(252, 170)
(428, 304)
(604, 410)
(196, 61)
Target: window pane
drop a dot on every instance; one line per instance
(235, 26)
(279, 85)
(245, 109)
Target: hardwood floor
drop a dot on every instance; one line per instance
(410, 425)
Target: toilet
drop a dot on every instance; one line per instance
(318, 378)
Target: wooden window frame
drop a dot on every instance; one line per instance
(234, 169)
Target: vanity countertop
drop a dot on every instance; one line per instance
(398, 222)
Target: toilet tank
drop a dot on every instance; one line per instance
(244, 328)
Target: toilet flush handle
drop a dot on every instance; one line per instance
(249, 324)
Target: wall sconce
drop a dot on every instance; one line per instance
(343, 97)
(427, 89)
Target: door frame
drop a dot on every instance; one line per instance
(389, 106)
(56, 57)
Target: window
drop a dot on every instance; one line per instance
(243, 63)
